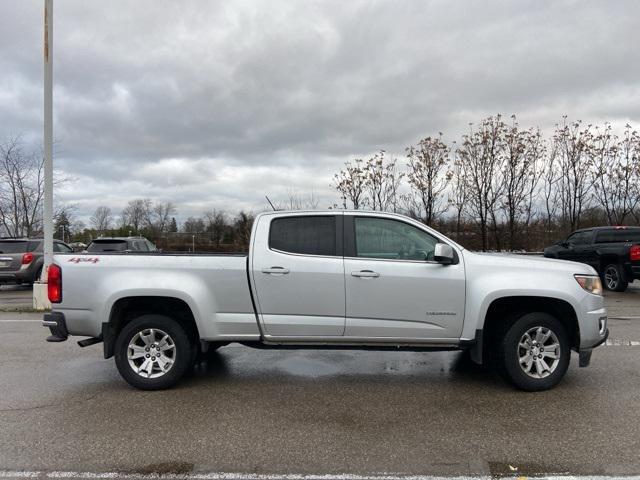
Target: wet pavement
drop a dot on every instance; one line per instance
(16, 296)
(322, 412)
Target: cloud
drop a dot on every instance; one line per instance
(215, 104)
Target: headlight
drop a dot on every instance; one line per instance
(591, 283)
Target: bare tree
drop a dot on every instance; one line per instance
(458, 194)
(242, 229)
(101, 219)
(216, 224)
(21, 189)
(521, 174)
(136, 213)
(350, 183)
(428, 177)
(193, 225)
(157, 218)
(616, 173)
(482, 152)
(572, 146)
(381, 182)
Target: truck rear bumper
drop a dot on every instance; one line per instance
(57, 325)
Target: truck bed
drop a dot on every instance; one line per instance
(215, 287)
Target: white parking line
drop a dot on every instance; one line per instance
(20, 321)
(621, 342)
(285, 476)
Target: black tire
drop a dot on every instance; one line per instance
(510, 353)
(613, 278)
(182, 351)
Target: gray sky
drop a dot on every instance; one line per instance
(215, 104)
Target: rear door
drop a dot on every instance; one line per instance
(298, 275)
(394, 288)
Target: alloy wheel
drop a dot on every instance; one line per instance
(539, 352)
(151, 353)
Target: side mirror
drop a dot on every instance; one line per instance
(443, 254)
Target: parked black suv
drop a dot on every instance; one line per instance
(121, 245)
(21, 259)
(613, 251)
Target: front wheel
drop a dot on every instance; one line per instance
(614, 278)
(535, 352)
(153, 352)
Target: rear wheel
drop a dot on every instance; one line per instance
(535, 352)
(614, 279)
(153, 352)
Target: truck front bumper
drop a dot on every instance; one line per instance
(585, 353)
(57, 325)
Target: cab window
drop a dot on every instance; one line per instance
(392, 239)
(308, 235)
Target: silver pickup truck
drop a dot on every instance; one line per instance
(331, 279)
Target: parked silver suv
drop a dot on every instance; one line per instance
(21, 259)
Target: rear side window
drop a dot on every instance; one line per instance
(618, 236)
(306, 235)
(13, 247)
(107, 246)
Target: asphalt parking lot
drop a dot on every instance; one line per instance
(252, 412)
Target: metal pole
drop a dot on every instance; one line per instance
(48, 135)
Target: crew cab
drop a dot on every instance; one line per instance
(330, 279)
(614, 252)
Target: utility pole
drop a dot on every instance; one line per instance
(48, 134)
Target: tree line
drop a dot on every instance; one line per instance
(499, 186)
(502, 186)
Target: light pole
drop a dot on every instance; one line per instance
(193, 243)
(40, 300)
(48, 135)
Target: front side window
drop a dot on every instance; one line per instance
(307, 235)
(140, 246)
(580, 238)
(61, 248)
(391, 239)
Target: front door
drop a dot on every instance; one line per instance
(394, 289)
(298, 274)
(578, 248)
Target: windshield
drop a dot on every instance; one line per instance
(107, 246)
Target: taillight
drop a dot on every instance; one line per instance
(634, 253)
(27, 258)
(54, 283)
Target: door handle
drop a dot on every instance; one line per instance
(275, 271)
(365, 274)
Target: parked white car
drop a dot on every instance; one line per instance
(327, 279)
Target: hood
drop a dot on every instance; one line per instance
(526, 261)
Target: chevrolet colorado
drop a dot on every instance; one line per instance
(330, 279)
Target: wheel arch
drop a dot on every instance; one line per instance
(503, 311)
(126, 309)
